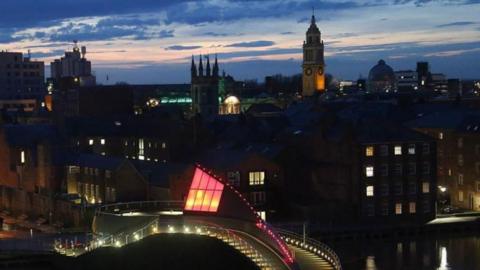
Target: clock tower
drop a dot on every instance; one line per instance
(313, 61)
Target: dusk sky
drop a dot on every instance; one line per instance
(151, 41)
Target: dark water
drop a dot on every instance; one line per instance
(439, 253)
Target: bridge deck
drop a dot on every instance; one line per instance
(309, 261)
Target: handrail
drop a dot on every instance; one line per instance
(160, 205)
(312, 245)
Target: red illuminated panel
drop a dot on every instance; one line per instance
(205, 193)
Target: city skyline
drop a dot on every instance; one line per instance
(152, 41)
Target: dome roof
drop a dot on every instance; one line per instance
(381, 73)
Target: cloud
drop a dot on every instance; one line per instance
(252, 44)
(182, 48)
(462, 23)
(287, 33)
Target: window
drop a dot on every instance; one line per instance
(262, 215)
(164, 145)
(460, 160)
(369, 191)
(477, 167)
(412, 168)
(108, 174)
(477, 184)
(440, 135)
(398, 188)
(384, 150)
(460, 179)
(384, 208)
(369, 151)
(412, 188)
(460, 196)
(258, 197)
(426, 205)
(412, 206)
(398, 169)
(256, 178)
(426, 168)
(369, 172)
(384, 169)
(384, 189)
(460, 142)
(234, 178)
(141, 149)
(113, 194)
(370, 209)
(397, 150)
(426, 149)
(205, 193)
(425, 187)
(90, 142)
(411, 149)
(102, 141)
(398, 208)
(22, 157)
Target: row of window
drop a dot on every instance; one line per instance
(400, 208)
(32, 66)
(92, 193)
(88, 171)
(397, 150)
(256, 178)
(398, 189)
(398, 169)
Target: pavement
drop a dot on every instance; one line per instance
(309, 261)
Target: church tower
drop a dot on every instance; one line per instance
(204, 88)
(313, 61)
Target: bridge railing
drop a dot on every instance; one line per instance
(313, 246)
(119, 208)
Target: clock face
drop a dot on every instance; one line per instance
(320, 71)
(308, 71)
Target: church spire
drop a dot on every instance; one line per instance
(200, 67)
(208, 66)
(313, 21)
(215, 67)
(193, 68)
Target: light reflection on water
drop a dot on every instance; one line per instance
(444, 253)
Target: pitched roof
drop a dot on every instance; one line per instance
(95, 161)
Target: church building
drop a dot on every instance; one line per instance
(313, 61)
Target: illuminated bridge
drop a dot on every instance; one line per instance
(213, 209)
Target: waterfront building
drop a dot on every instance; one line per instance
(20, 77)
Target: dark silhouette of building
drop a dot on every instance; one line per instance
(204, 88)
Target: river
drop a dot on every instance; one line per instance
(423, 253)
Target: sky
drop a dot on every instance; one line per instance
(152, 41)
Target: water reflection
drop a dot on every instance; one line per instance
(443, 259)
(443, 253)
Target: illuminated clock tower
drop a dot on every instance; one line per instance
(313, 61)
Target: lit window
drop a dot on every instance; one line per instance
(411, 149)
(369, 151)
(369, 171)
(164, 145)
(440, 135)
(205, 193)
(398, 150)
(90, 142)
(141, 149)
(460, 196)
(102, 141)
(256, 178)
(412, 207)
(398, 208)
(425, 187)
(369, 191)
(22, 157)
(262, 215)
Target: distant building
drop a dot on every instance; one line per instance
(454, 87)
(205, 88)
(439, 83)
(313, 61)
(73, 65)
(381, 78)
(21, 78)
(407, 80)
(423, 74)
